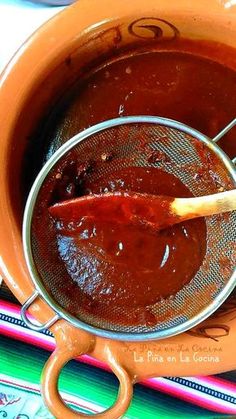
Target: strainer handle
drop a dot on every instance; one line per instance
(56, 405)
(38, 327)
(224, 130)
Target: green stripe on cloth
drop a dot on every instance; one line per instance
(22, 361)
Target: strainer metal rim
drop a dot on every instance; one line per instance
(27, 222)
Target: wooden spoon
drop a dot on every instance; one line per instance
(149, 210)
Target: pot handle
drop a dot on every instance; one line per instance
(54, 401)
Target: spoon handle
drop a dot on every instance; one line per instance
(202, 206)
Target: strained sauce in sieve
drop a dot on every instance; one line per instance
(109, 266)
(125, 264)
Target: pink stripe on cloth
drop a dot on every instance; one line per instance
(177, 389)
(6, 305)
(213, 381)
(194, 396)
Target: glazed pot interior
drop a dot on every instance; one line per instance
(34, 136)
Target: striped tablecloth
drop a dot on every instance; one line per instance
(88, 387)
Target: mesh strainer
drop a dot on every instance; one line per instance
(186, 153)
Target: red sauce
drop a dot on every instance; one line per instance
(125, 266)
(177, 85)
(152, 212)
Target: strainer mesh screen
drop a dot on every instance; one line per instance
(199, 168)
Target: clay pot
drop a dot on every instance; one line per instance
(54, 57)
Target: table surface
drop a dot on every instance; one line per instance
(18, 20)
